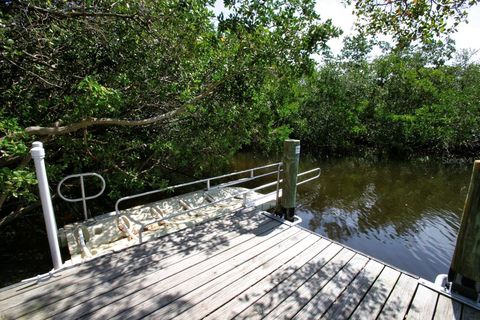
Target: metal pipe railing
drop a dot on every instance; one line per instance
(207, 181)
(309, 179)
(178, 213)
(83, 198)
(244, 193)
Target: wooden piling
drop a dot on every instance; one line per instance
(465, 268)
(291, 156)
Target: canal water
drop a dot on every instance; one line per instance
(404, 213)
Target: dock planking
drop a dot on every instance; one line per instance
(186, 241)
(245, 265)
(399, 300)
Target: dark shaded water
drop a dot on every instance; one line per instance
(404, 213)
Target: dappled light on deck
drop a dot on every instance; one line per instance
(247, 265)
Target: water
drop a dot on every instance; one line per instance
(404, 213)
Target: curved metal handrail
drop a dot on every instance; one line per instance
(178, 213)
(311, 178)
(243, 193)
(82, 187)
(208, 182)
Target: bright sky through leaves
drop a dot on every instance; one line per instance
(466, 37)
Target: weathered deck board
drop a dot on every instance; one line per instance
(277, 284)
(130, 274)
(423, 304)
(303, 294)
(373, 301)
(130, 292)
(343, 307)
(447, 309)
(325, 297)
(273, 298)
(245, 266)
(218, 302)
(213, 234)
(268, 262)
(397, 304)
(202, 284)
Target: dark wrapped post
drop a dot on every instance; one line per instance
(464, 271)
(291, 156)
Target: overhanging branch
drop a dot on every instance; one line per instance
(81, 13)
(88, 122)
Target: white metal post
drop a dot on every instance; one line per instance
(38, 156)
(82, 186)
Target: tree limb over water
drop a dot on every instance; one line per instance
(88, 122)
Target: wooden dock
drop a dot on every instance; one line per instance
(245, 266)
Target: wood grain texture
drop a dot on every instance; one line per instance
(466, 257)
(132, 294)
(212, 296)
(189, 293)
(423, 304)
(219, 302)
(298, 299)
(397, 303)
(447, 309)
(57, 299)
(262, 307)
(246, 268)
(317, 306)
(343, 307)
(373, 301)
(197, 238)
(277, 283)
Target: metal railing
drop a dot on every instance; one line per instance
(243, 193)
(83, 198)
(311, 178)
(208, 182)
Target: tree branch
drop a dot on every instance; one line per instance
(33, 74)
(73, 14)
(88, 122)
(15, 214)
(22, 211)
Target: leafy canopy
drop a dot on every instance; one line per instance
(410, 20)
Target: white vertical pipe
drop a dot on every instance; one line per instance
(82, 186)
(36, 144)
(38, 156)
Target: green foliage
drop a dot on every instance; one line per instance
(408, 21)
(12, 143)
(94, 99)
(17, 183)
(64, 62)
(402, 102)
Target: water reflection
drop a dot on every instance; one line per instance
(406, 214)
